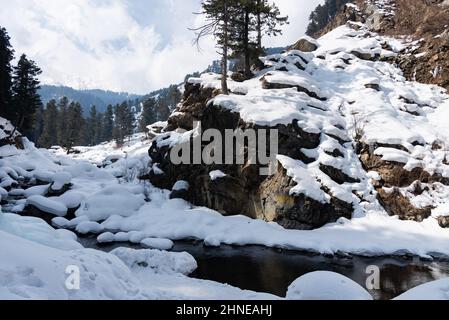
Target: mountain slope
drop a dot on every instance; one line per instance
(99, 98)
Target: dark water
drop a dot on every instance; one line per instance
(268, 270)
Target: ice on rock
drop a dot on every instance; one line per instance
(71, 199)
(37, 191)
(106, 237)
(87, 227)
(155, 243)
(47, 205)
(323, 285)
(3, 194)
(111, 201)
(156, 261)
(181, 186)
(216, 175)
(60, 180)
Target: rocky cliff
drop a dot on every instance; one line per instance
(356, 134)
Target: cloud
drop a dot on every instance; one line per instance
(122, 45)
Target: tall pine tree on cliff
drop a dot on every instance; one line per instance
(6, 56)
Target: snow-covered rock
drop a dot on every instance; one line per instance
(323, 285)
(436, 290)
(47, 205)
(154, 243)
(157, 261)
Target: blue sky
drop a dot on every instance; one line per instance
(122, 45)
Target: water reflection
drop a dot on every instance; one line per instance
(268, 270)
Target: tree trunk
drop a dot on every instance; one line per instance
(246, 46)
(259, 27)
(224, 63)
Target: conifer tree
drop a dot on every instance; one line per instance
(99, 128)
(49, 135)
(91, 127)
(108, 124)
(26, 99)
(61, 127)
(218, 15)
(119, 131)
(75, 126)
(129, 119)
(148, 114)
(6, 56)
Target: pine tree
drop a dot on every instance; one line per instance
(148, 114)
(75, 126)
(91, 128)
(108, 124)
(6, 56)
(129, 119)
(119, 124)
(218, 15)
(38, 126)
(99, 128)
(26, 99)
(61, 133)
(49, 135)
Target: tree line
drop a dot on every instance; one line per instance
(62, 122)
(238, 27)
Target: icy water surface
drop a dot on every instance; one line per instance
(269, 270)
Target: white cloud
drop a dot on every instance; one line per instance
(122, 45)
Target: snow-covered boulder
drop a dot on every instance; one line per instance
(155, 243)
(156, 261)
(323, 285)
(47, 205)
(436, 290)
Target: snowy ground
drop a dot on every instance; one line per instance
(111, 202)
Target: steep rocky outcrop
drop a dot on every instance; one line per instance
(243, 189)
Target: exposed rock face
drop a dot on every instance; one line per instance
(395, 179)
(305, 44)
(243, 190)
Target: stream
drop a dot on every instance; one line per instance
(269, 270)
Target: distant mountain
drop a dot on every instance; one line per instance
(100, 98)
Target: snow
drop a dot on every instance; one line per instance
(216, 175)
(47, 205)
(323, 285)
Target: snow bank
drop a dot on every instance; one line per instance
(323, 285)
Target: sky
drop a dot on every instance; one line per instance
(134, 46)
